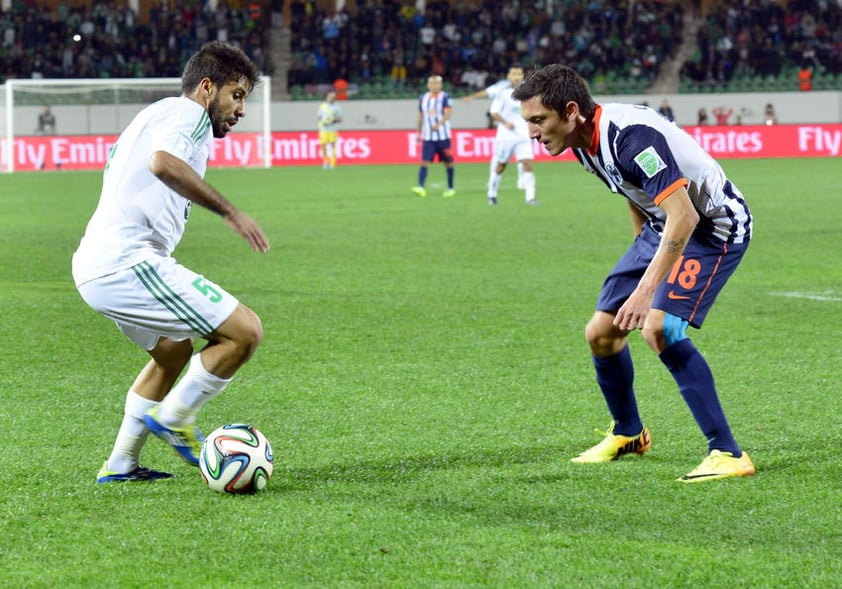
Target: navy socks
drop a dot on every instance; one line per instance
(615, 376)
(695, 382)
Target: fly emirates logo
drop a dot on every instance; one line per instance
(818, 139)
(724, 142)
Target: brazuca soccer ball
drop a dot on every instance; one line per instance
(236, 458)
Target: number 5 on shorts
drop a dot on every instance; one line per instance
(207, 289)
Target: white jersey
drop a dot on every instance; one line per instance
(645, 157)
(138, 216)
(498, 88)
(509, 109)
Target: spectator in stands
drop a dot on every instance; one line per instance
(666, 110)
(46, 122)
(722, 114)
(805, 79)
(702, 117)
(398, 66)
(769, 116)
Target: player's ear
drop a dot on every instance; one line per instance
(207, 87)
(571, 110)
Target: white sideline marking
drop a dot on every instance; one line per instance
(807, 295)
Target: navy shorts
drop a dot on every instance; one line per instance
(689, 290)
(441, 148)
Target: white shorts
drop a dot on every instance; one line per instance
(520, 149)
(159, 298)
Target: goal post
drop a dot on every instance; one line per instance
(91, 111)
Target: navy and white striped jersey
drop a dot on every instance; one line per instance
(645, 157)
(433, 108)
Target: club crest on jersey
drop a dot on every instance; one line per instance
(614, 174)
(649, 161)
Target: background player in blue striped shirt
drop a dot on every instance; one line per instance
(691, 228)
(434, 134)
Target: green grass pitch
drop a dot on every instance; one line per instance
(424, 380)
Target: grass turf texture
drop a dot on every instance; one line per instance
(424, 381)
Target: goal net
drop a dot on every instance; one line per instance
(89, 114)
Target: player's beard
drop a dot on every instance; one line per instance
(216, 119)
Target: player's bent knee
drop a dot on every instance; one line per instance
(243, 332)
(252, 331)
(671, 331)
(604, 339)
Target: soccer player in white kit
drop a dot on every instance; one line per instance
(124, 267)
(493, 92)
(512, 140)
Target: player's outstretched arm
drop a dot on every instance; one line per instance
(181, 178)
(248, 229)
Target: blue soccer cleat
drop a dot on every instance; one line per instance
(186, 440)
(138, 474)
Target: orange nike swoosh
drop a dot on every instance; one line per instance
(671, 294)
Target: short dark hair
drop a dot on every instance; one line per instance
(557, 85)
(222, 63)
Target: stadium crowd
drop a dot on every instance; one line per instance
(740, 39)
(109, 41)
(469, 43)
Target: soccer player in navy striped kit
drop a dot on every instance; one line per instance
(691, 228)
(434, 134)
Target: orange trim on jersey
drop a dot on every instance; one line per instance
(680, 183)
(597, 114)
(710, 279)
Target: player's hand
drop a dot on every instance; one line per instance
(632, 315)
(248, 230)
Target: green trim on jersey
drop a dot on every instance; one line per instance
(201, 126)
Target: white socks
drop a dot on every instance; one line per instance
(526, 181)
(132, 435)
(493, 184)
(188, 396)
(529, 185)
(196, 387)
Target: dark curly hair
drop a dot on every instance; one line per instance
(222, 63)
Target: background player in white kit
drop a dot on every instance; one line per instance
(124, 267)
(512, 140)
(493, 92)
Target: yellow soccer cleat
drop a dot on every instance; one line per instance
(613, 446)
(449, 193)
(720, 465)
(419, 191)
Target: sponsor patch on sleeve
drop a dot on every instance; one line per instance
(649, 161)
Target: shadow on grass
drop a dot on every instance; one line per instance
(403, 469)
